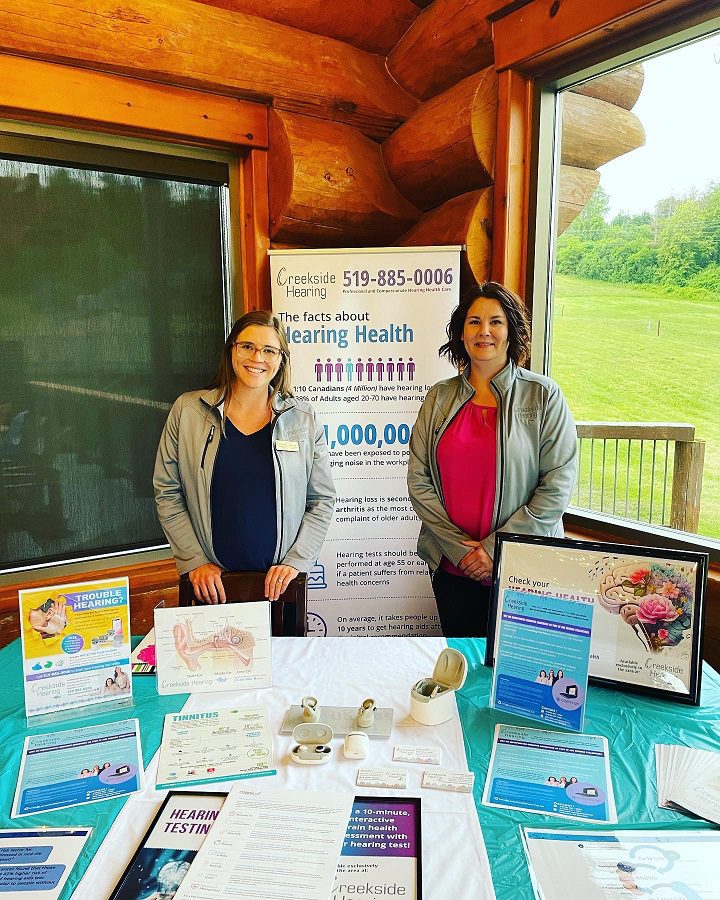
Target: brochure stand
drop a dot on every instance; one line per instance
(75, 641)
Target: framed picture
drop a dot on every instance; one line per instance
(169, 846)
(382, 851)
(648, 623)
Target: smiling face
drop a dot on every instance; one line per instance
(485, 334)
(255, 372)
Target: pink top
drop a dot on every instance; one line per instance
(466, 458)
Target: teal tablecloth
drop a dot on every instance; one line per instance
(632, 725)
(148, 707)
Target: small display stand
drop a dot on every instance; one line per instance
(342, 720)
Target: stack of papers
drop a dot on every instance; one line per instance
(610, 865)
(550, 772)
(689, 780)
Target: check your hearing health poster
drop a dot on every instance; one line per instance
(75, 645)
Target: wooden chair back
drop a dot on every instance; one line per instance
(288, 615)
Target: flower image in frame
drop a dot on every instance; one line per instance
(654, 599)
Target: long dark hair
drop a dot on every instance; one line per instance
(514, 309)
(281, 383)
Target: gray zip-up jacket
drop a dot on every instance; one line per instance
(304, 489)
(536, 461)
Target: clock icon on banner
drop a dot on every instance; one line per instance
(316, 626)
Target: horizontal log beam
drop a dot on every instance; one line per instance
(37, 91)
(575, 187)
(594, 132)
(187, 43)
(329, 187)
(464, 220)
(450, 40)
(377, 27)
(621, 87)
(447, 147)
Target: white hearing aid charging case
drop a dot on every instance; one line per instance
(312, 744)
(356, 746)
(432, 700)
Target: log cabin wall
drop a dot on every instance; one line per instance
(388, 124)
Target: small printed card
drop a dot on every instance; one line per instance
(444, 780)
(429, 756)
(389, 778)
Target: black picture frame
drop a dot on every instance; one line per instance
(413, 803)
(136, 865)
(627, 555)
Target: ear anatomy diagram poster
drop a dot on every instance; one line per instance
(212, 648)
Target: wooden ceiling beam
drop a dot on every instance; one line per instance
(450, 40)
(186, 43)
(375, 27)
(329, 187)
(447, 147)
(465, 220)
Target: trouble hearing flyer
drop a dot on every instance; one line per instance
(75, 645)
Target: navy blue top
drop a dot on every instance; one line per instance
(242, 500)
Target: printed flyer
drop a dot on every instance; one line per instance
(646, 630)
(364, 327)
(85, 765)
(542, 651)
(224, 647)
(550, 772)
(285, 843)
(75, 645)
(382, 852)
(34, 865)
(218, 745)
(609, 865)
(164, 856)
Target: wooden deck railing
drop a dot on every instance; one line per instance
(646, 471)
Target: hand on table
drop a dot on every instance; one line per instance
(277, 579)
(207, 583)
(476, 564)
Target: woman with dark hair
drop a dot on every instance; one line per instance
(242, 477)
(493, 449)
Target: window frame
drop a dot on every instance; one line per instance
(554, 55)
(62, 102)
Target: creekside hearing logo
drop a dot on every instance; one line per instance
(304, 285)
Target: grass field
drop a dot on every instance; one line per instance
(623, 354)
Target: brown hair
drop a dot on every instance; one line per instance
(514, 309)
(281, 383)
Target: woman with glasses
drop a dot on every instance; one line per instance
(242, 476)
(493, 449)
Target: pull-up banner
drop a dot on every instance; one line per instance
(364, 327)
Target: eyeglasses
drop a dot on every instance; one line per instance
(247, 350)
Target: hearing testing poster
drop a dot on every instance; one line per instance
(75, 645)
(364, 327)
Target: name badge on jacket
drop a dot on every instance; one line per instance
(287, 445)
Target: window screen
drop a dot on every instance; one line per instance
(112, 304)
